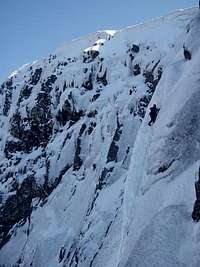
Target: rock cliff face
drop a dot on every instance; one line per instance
(84, 181)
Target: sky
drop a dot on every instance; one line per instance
(32, 29)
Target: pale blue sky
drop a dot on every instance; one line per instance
(31, 29)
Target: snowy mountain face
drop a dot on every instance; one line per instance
(85, 182)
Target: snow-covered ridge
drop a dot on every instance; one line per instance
(84, 181)
(174, 17)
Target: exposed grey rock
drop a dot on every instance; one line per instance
(8, 96)
(102, 79)
(90, 55)
(36, 76)
(136, 69)
(112, 153)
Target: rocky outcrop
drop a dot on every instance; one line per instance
(187, 54)
(112, 153)
(18, 207)
(88, 84)
(68, 113)
(136, 69)
(8, 87)
(102, 79)
(36, 76)
(152, 78)
(25, 93)
(77, 158)
(196, 208)
(90, 55)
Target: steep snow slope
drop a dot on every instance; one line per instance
(84, 180)
(160, 195)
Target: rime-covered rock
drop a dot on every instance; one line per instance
(84, 181)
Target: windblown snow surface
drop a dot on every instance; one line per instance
(85, 182)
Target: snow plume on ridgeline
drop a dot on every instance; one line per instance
(85, 181)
